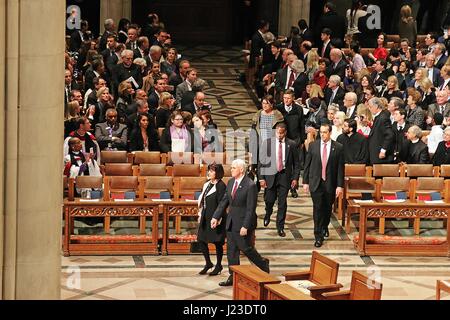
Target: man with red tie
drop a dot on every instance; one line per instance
(279, 171)
(240, 198)
(323, 176)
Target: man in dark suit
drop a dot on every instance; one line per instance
(153, 98)
(109, 31)
(258, 43)
(330, 19)
(278, 172)
(305, 32)
(126, 70)
(198, 104)
(441, 57)
(240, 199)
(417, 149)
(381, 137)
(400, 127)
(355, 146)
(323, 176)
(381, 74)
(334, 93)
(325, 46)
(305, 48)
(350, 101)
(433, 73)
(79, 36)
(69, 85)
(142, 48)
(337, 65)
(132, 32)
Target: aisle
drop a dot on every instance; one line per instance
(175, 277)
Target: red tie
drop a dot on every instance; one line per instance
(233, 193)
(324, 162)
(280, 157)
(291, 79)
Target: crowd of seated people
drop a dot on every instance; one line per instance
(130, 90)
(394, 94)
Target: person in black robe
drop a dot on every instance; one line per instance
(417, 149)
(355, 144)
(212, 194)
(442, 154)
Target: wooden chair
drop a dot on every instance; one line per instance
(444, 171)
(118, 169)
(153, 185)
(186, 187)
(361, 288)
(323, 273)
(424, 186)
(92, 182)
(186, 170)
(354, 188)
(387, 170)
(351, 170)
(120, 184)
(65, 186)
(113, 157)
(150, 169)
(442, 285)
(389, 186)
(154, 157)
(209, 157)
(420, 170)
(180, 158)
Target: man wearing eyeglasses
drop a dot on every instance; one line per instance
(111, 135)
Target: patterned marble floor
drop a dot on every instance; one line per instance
(175, 276)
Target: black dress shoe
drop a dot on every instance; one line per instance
(206, 268)
(266, 222)
(294, 193)
(318, 243)
(217, 270)
(281, 233)
(326, 233)
(227, 283)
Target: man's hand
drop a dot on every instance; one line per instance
(382, 155)
(339, 191)
(294, 184)
(243, 231)
(306, 188)
(263, 184)
(213, 223)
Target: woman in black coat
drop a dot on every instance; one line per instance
(212, 193)
(144, 136)
(442, 154)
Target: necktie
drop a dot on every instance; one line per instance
(400, 128)
(291, 79)
(332, 97)
(324, 162)
(233, 193)
(280, 157)
(348, 113)
(442, 109)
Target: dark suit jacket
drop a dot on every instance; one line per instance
(299, 84)
(241, 209)
(338, 70)
(327, 50)
(137, 142)
(333, 21)
(382, 78)
(418, 153)
(267, 165)
(442, 155)
(307, 35)
(401, 142)
(258, 43)
(381, 137)
(312, 173)
(441, 61)
(295, 122)
(137, 53)
(338, 98)
(120, 73)
(436, 77)
(153, 101)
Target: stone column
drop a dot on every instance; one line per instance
(2, 137)
(290, 12)
(114, 9)
(33, 168)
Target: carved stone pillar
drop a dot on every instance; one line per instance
(290, 12)
(114, 9)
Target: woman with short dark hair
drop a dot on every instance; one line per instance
(213, 191)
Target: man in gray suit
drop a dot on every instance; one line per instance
(186, 85)
(240, 199)
(442, 106)
(111, 135)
